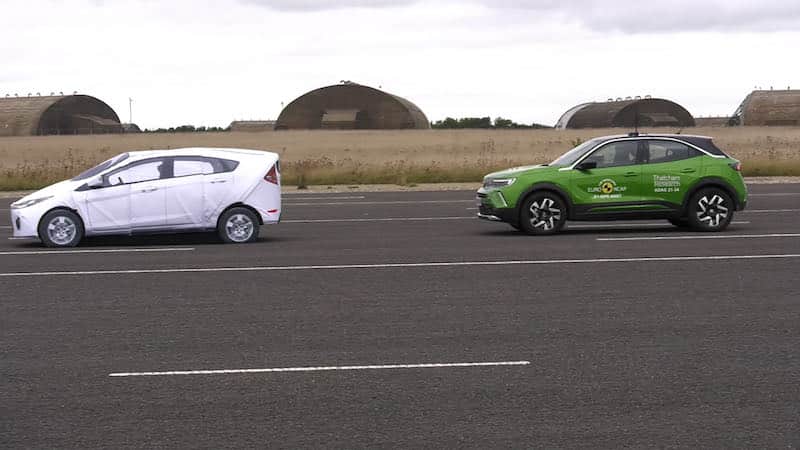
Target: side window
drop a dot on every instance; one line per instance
(137, 173)
(193, 166)
(615, 154)
(668, 151)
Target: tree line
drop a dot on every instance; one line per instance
(482, 122)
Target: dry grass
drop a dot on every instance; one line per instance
(367, 157)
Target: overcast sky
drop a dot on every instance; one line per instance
(208, 62)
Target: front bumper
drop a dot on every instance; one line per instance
(23, 225)
(488, 210)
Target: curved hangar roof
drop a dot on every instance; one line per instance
(351, 106)
(652, 112)
(70, 114)
(770, 108)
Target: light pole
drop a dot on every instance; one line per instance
(130, 110)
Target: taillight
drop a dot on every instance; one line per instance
(272, 176)
(737, 166)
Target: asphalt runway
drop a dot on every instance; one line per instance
(371, 320)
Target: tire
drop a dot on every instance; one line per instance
(710, 209)
(61, 228)
(680, 223)
(543, 213)
(238, 226)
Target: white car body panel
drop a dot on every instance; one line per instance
(192, 198)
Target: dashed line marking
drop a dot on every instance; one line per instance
(319, 369)
(401, 265)
(110, 250)
(721, 236)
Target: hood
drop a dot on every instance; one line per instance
(516, 171)
(53, 190)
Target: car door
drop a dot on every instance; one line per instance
(145, 181)
(614, 185)
(669, 169)
(108, 209)
(185, 191)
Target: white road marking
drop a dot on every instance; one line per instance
(394, 202)
(402, 265)
(104, 250)
(320, 369)
(302, 197)
(5, 227)
(634, 224)
(721, 236)
(386, 219)
(762, 211)
(775, 194)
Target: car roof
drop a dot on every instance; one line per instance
(231, 153)
(655, 135)
(705, 143)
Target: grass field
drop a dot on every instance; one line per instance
(371, 157)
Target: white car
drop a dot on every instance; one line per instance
(232, 191)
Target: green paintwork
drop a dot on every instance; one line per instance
(650, 185)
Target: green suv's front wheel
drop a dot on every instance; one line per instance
(543, 213)
(711, 209)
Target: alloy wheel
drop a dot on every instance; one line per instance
(239, 228)
(61, 230)
(544, 214)
(712, 211)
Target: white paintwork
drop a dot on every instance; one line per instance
(132, 201)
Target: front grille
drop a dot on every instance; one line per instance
(18, 223)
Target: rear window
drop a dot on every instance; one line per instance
(706, 144)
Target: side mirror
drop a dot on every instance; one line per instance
(587, 165)
(95, 182)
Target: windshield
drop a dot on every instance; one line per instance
(569, 158)
(101, 167)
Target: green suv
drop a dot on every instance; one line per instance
(684, 179)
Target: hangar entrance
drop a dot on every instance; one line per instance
(344, 119)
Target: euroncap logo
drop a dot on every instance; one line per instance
(607, 187)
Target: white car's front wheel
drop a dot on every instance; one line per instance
(61, 228)
(238, 226)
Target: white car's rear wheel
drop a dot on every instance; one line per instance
(238, 226)
(61, 228)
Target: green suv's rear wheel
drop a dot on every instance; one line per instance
(711, 209)
(543, 213)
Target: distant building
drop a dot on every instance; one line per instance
(769, 108)
(63, 114)
(252, 125)
(644, 112)
(720, 121)
(131, 128)
(351, 106)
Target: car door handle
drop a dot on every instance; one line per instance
(219, 181)
(152, 189)
(688, 170)
(631, 174)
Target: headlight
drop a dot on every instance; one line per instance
(498, 182)
(31, 202)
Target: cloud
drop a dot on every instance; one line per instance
(320, 5)
(629, 16)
